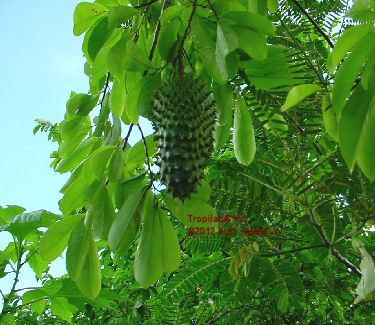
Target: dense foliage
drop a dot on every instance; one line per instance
(294, 151)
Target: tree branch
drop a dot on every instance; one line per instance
(187, 30)
(329, 245)
(293, 250)
(105, 87)
(127, 136)
(147, 156)
(312, 21)
(157, 30)
(213, 9)
(146, 4)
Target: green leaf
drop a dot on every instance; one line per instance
(117, 97)
(73, 198)
(116, 165)
(56, 238)
(76, 157)
(367, 283)
(349, 71)
(61, 307)
(196, 206)
(37, 264)
(243, 134)
(330, 119)
(363, 10)
(170, 13)
(95, 38)
(111, 3)
(346, 42)
(136, 155)
(103, 117)
(100, 214)
(77, 173)
(38, 306)
(357, 130)
(120, 15)
(86, 14)
(148, 86)
(99, 160)
(99, 66)
(81, 104)
(299, 93)
(273, 5)
(249, 19)
(127, 55)
(271, 72)
(229, 35)
(222, 133)
(221, 42)
(114, 135)
(368, 71)
(282, 302)
(136, 58)
(123, 226)
(8, 212)
(115, 58)
(223, 96)
(73, 131)
(167, 43)
(8, 319)
(252, 42)
(170, 247)
(220, 76)
(258, 6)
(122, 190)
(148, 264)
(200, 36)
(24, 223)
(133, 97)
(82, 261)
(221, 52)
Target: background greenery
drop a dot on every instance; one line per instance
(294, 149)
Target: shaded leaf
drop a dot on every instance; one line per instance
(56, 238)
(243, 133)
(299, 93)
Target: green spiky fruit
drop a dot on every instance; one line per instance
(184, 119)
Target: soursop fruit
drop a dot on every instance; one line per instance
(184, 118)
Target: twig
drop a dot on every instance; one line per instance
(27, 288)
(213, 9)
(146, 4)
(187, 30)
(127, 136)
(303, 52)
(157, 30)
(30, 256)
(312, 21)
(292, 250)
(121, 309)
(105, 87)
(188, 59)
(328, 245)
(15, 281)
(288, 195)
(147, 156)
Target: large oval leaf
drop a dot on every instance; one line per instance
(148, 264)
(243, 136)
(82, 261)
(120, 230)
(56, 238)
